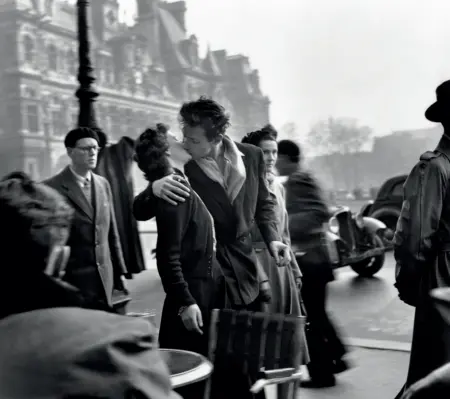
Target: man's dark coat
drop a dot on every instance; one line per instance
(115, 165)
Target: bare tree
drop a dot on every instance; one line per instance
(338, 135)
(336, 139)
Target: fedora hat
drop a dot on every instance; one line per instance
(440, 108)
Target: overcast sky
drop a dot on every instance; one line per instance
(376, 60)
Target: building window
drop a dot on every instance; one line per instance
(47, 127)
(59, 123)
(72, 62)
(116, 123)
(52, 57)
(49, 7)
(31, 167)
(31, 118)
(29, 50)
(109, 72)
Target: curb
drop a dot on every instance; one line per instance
(379, 344)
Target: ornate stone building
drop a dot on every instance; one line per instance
(144, 72)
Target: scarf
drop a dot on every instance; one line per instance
(234, 174)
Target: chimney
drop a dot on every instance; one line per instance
(178, 11)
(256, 81)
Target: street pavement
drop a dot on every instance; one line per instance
(375, 324)
(368, 309)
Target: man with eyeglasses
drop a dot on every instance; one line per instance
(96, 263)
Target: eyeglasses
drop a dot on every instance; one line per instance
(88, 149)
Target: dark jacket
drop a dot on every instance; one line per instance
(308, 211)
(115, 164)
(306, 206)
(233, 221)
(184, 249)
(422, 253)
(94, 241)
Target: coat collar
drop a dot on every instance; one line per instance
(75, 193)
(444, 145)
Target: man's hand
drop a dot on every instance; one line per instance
(435, 385)
(265, 293)
(171, 189)
(281, 253)
(192, 318)
(299, 283)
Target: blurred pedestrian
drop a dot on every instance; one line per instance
(308, 212)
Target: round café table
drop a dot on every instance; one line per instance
(186, 367)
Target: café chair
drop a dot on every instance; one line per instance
(267, 347)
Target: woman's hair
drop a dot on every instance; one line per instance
(151, 153)
(206, 113)
(28, 211)
(268, 132)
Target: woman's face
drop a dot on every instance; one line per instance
(270, 152)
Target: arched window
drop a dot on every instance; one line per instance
(29, 48)
(52, 57)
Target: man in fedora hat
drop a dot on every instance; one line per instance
(422, 244)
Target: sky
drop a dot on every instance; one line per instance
(378, 61)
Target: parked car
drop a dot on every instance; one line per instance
(388, 203)
(357, 241)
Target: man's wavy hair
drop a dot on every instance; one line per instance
(207, 114)
(268, 132)
(151, 150)
(28, 211)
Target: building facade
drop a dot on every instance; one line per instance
(143, 74)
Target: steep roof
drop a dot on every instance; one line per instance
(210, 65)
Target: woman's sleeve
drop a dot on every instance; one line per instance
(286, 237)
(171, 223)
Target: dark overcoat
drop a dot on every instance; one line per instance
(115, 165)
(422, 245)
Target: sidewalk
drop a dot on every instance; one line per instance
(377, 373)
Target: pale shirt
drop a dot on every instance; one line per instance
(80, 179)
(85, 184)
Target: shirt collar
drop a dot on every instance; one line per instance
(81, 179)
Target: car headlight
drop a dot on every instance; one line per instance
(359, 220)
(333, 225)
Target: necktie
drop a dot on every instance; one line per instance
(87, 190)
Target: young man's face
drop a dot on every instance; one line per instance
(196, 143)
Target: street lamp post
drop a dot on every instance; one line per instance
(86, 94)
